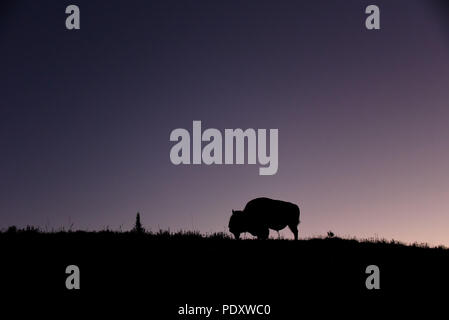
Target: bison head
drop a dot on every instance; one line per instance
(236, 223)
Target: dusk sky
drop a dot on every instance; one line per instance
(363, 116)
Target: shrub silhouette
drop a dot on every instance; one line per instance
(12, 229)
(138, 225)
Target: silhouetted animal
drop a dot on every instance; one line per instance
(262, 214)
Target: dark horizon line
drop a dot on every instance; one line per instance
(196, 234)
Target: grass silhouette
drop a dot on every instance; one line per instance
(330, 239)
(190, 264)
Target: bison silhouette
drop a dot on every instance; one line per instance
(262, 214)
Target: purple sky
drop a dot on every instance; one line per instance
(85, 116)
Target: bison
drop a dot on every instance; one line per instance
(262, 214)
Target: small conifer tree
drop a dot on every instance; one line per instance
(138, 225)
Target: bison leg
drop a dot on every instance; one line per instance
(294, 229)
(263, 234)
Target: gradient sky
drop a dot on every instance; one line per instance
(363, 116)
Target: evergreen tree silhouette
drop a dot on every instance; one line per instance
(138, 225)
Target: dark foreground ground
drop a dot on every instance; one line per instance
(157, 273)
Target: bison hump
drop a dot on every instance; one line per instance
(267, 204)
